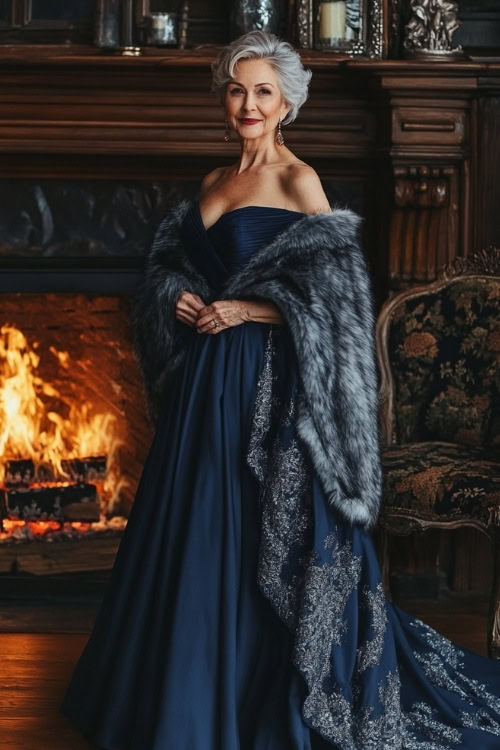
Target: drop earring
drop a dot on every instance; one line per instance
(227, 133)
(279, 138)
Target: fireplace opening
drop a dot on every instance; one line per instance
(73, 430)
(73, 423)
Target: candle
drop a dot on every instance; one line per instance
(127, 23)
(332, 20)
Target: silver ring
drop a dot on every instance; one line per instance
(215, 323)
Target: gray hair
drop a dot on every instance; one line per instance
(293, 78)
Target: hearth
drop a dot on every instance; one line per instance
(73, 430)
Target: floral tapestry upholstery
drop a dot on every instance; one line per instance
(444, 350)
(438, 479)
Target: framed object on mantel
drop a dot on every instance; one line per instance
(350, 27)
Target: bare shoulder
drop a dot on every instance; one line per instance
(304, 187)
(210, 179)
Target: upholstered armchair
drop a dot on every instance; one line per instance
(438, 348)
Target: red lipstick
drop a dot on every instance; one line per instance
(248, 121)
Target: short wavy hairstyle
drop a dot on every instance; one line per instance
(293, 77)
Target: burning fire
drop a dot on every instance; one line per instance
(43, 429)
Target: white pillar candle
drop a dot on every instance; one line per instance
(332, 16)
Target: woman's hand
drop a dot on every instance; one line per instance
(187, 307)
(225, 312)
(232, 312)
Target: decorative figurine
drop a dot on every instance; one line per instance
(162, 29)
(254, 15)
(429, 31)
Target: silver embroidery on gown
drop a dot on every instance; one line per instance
(309, 592)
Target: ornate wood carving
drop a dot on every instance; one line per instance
(421, 187)
(424, 223)
(404, 524)
(485, 261)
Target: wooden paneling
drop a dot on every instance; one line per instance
(422, 137)
(434, 148)
(488, 168)
(431, 123)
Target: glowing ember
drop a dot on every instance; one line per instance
(27, 530)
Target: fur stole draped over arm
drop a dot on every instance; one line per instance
(316, 273)
(160, 339)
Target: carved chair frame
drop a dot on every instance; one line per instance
(402, 522)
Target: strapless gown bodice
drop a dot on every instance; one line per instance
(226, 245)
(239, 233)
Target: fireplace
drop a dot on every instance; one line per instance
(73, 430)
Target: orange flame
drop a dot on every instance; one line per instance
(29, 428)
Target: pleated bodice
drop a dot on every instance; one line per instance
(237, 234)
(224, 247)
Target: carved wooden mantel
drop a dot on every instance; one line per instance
(422, 138)
(443, 146)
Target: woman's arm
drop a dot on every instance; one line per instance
(234, 312)
(263, 312)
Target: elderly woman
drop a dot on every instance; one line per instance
(245, 609)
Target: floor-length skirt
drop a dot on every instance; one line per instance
(188, 654)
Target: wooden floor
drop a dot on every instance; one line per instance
(35, 668)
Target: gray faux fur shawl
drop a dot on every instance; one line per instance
(316, 273)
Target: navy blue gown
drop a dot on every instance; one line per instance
(187, 653)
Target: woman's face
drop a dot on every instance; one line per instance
(253, 101)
